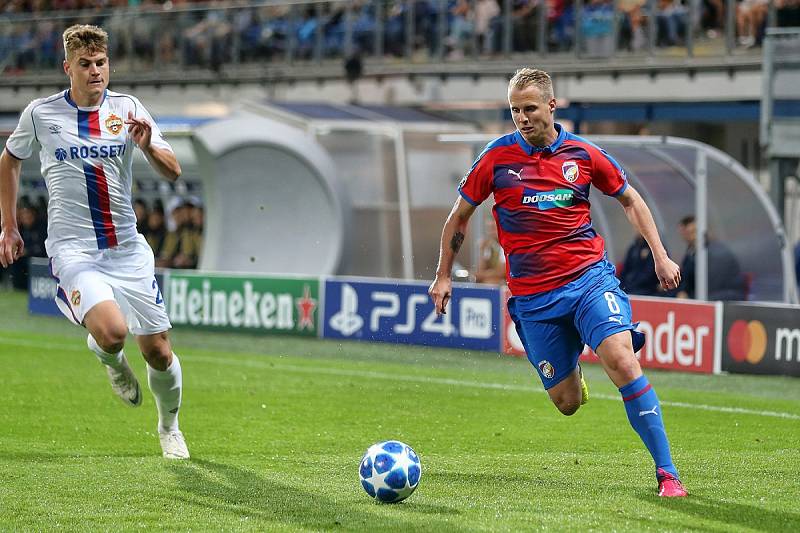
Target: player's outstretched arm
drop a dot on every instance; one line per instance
(11, 244)
(640, 217)
(453, 233)
(161, 159)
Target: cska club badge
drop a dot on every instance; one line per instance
(570, 171)
(75, 298)
(114, 124)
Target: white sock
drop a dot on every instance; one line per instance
(113, 360)
(166, 387)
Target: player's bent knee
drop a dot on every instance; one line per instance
(568, 407)
(159, 357)
(111, 338)
(567, 403)
(626, 367)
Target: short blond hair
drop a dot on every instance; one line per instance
(527, 76)
(84, 37)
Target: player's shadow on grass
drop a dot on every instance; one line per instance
(733, 515)
(234, 491)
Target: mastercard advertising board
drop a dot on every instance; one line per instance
(761, 339)
(681, 334)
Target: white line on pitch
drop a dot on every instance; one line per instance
(478, 384)
(78, 347)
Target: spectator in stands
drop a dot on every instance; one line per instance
(156, 230)
(631, 24)
(394, 28)
(41, 210)
(597, 25)
(671, 22)
(33, 236)
(197, 217)
(712, 17)
(491, 258)
(750, 18)
(523, 26)
(561, 21)
(485, 11)
(181, 247)
(638, 275)
(725, 280)
(461, 29)
(425, 22)
(206, 43)
(353, 70)
(523, 16)
(141, 211)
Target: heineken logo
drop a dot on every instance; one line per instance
(286, 306)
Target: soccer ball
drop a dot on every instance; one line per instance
(390, 471)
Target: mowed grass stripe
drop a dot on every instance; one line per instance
(319, 368)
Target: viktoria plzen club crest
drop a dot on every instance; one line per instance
(570, 171)
(114, 124)
(547, 369)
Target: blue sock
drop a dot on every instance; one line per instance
(644, 414)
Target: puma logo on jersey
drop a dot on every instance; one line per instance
(517, 174)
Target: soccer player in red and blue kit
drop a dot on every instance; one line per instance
(564, 292)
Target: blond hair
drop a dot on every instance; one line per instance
(527, 76)
(79, 37)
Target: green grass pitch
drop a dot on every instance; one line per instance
(277, 426)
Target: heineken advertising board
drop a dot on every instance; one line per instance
(287, 306)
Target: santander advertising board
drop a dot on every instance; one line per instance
(681, 335)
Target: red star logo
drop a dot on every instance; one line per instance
(306, 306)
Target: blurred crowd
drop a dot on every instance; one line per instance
(169, 31)
(32, 224)
(176, 236)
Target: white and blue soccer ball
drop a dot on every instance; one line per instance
(390, 471)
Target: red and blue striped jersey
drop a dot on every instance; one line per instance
(542, 205)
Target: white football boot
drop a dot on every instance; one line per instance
(173, 445)
(123, 380)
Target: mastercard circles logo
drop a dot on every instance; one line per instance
(747, 341)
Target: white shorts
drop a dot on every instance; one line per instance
(125, 274)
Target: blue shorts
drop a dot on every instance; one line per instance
(554, 325)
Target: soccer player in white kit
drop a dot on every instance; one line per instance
(104, 268)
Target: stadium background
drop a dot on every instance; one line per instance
(322, 142)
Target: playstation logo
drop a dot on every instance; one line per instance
(347, 321)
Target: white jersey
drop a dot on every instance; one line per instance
(86, 155)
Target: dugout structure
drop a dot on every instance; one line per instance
(323, 189)
(396, 181)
